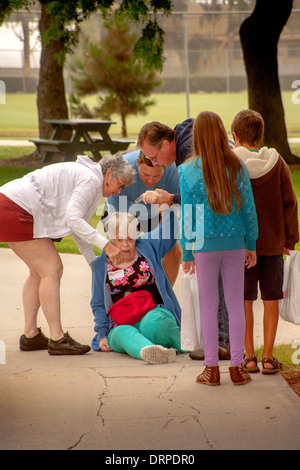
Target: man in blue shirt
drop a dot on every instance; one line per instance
(148, 177)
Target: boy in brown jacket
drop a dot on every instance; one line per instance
(276, 206)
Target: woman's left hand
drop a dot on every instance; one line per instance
(150, 197)
(188, 267)
(103, 345)
(113, 253)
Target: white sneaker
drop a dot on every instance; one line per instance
(157, 354)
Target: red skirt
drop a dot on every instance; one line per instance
(16, 224)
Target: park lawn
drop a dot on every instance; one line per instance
(9, 152)
(19, 114)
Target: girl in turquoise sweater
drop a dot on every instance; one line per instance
(218, 232)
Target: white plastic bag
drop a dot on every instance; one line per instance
(191, 337)
(289, 306)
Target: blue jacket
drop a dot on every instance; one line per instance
(204, 230)
(153, 246)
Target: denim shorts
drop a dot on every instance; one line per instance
(268, 273)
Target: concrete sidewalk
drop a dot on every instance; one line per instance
(109, 401)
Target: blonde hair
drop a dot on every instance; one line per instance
(220, 165)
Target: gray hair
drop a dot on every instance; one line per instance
(121, 225)
(118, 167)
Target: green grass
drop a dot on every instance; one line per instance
(171, 109)
(7, 153)
(296, 182)
(283, 353)
(9, 173)
(19, 114)
(67, 245)
(19, 120)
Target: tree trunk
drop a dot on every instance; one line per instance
(124, 127)
(51, 99)
(26, 46)
(259, 35)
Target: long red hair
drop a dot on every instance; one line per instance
(220, 165)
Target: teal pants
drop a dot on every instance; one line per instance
(158, 326)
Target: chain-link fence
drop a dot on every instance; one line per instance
(202, 51)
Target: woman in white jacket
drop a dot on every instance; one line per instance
(45, 205)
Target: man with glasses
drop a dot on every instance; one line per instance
(164, 146)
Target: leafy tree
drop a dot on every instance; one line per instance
(259, 35)
(112, 66)
(60, 27)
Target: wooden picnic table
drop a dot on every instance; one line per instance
(81, 139)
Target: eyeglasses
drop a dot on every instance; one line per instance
(121, 185)
(154, 154)
(152, 159)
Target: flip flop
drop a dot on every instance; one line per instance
(277, 366)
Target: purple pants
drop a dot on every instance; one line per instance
(231, 263)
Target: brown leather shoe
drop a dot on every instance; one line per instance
(66, 346)
(210, 376)
(238, 375)
(39, 341)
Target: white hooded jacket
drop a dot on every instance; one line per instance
(258, 163)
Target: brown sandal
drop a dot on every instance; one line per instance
(238, 375)
(251, 370)
(210, 376)
(277, 366)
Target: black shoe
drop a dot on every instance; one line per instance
(66, 346)
(224, 353)
(39, 341)
(197, 355)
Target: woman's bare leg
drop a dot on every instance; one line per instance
(31, 304)
(42, 287)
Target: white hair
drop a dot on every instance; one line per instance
(118, 167)
(121, 225)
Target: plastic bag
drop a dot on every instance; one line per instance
(191, 337)
(289, 306)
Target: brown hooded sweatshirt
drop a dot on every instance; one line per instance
(275, 199)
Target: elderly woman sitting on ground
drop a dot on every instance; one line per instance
(134, 306)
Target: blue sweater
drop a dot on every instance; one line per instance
(204, 230)
(153, 246)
